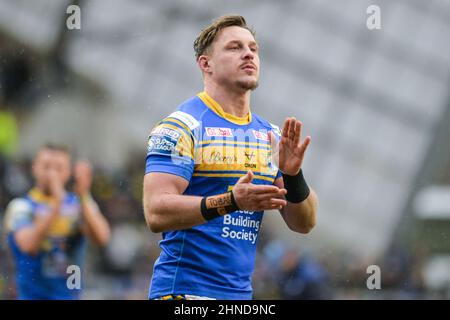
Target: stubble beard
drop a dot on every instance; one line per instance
(247, 85)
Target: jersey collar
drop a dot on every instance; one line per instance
(38, 196)
(215, 106)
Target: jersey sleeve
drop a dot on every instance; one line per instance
(19, 214)
(279, 174)
(171, 145)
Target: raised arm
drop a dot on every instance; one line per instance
(300, 217)
(94, 225)
(29, 232)
(302, 202)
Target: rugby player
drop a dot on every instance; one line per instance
(213, 167)
(46, 229)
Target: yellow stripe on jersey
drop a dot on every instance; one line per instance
(235, 167)
(38, 196)
(215, 106)
(229, 154)
(179, 123)
(231, 175)
(63, 226)
(230, 142)
(230, 157)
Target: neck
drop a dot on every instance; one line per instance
(236, 103)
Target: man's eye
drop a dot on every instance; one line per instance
(234, 48)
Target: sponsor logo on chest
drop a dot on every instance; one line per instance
(259, 135)
(218, 132)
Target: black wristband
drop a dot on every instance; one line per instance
(216, 206)
(296, 186)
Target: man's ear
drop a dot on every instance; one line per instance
(203, 63)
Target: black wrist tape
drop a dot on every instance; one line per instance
(296, 186)
(216, 206)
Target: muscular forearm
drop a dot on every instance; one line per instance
(95, 223)
(172, 212)
(166, 208)
(301, 217)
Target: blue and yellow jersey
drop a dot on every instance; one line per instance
(44, 275)
(211, 150)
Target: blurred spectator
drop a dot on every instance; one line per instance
(301, 277)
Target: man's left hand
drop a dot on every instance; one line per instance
(83, 178)
(291, 150)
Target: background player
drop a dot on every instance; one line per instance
(46, 228)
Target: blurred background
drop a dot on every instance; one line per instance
(376, 103)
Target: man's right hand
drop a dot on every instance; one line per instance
(253, 197)
(29, 238)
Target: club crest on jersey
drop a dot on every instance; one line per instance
(259, 135)
(218, 132)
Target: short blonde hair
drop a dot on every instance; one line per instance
(209, 34)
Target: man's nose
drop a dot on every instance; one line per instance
(249, 54)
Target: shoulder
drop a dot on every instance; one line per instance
(19, 204)
(177, 133)
(266, 124)
(184, 121)
(18, 213)
(194, 108)
(187, 116)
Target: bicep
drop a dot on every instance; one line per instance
(157, 183)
